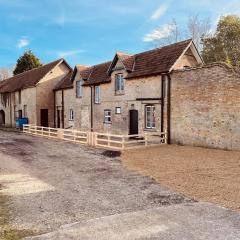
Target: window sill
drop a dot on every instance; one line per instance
(150, 129)
(119, 93)
(107, 123)
(97, 103)
(70, 120)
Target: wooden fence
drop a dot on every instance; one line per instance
(103, 140)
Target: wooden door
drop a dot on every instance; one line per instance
(58, 118)
(44, 117)
(133, 122)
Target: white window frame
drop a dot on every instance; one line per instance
(118, 110)
(150, 119)
(79, 89)
(71, 114)
(107, 116)
(119, 83)
(97, 95)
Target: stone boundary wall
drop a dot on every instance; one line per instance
(205, 107)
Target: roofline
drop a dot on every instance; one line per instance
(111, 65)
(63, 88)
(185, 50)
(61, 60)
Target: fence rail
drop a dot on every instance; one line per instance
(103, 140)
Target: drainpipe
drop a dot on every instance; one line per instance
(62, 109)
(162, 101)
(10, 110)
(91, 109)
(169, 109)
(54, 108)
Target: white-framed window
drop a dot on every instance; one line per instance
(71, 115)
(79, 88)
(118, 110)
(97, 94)
(25, 111)
(107, 116)
(150, 121)
(119, 82)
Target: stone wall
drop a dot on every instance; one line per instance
(205, 107)
(45, 94)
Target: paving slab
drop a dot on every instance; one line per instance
(196, 221)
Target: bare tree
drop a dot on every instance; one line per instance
(198, 29)
(168, 34)
(5, 73)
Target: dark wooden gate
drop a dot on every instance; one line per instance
(44, 117)
(133, 124)
(2, 117)
(58, 118)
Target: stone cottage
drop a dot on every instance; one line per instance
(165, 89)
(30, 94)
(127, 95)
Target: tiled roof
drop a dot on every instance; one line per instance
(148, 63)
(65, 83)
(97, 74)
(157, 61)
(27, 79)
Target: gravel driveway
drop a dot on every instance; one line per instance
(50, 183)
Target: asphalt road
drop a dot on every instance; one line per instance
(72, 192)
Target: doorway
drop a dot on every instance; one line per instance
(133, 122)
(58, 118)
(44, 117)
(2, 117)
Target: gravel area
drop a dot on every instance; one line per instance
(203, 174)
(47, 183)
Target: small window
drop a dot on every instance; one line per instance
(79, 90)
(25, 111)
(118, 110)
(107, 116)
(150, 121)
(97, 95)
(119, 83)
(71, 115)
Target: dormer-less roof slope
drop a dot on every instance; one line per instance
(29, 78)
(159, 60)
(97, 74)
(65, 83)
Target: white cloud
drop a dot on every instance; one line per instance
(23, 42)
(63, 54)
(159, 12)
(157, 34)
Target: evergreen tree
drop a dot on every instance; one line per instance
(224, 45)
(26, 62)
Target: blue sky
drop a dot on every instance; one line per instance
(91, 31)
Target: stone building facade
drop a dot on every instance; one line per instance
(205, 107)
(30, 94)
(139, 105)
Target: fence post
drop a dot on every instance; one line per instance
(123, 142)
(108, 137)
(146, 139)
(96, 139)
